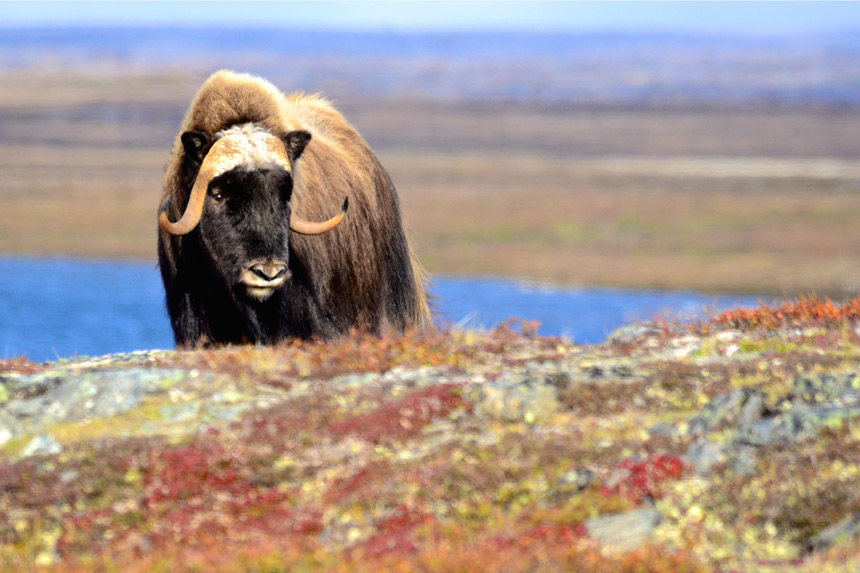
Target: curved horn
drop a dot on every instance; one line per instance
(304, 227)
(226, 153)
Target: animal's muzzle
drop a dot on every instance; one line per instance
(262, 278)
(269, 271)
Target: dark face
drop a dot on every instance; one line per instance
(245, 229)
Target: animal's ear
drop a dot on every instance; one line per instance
(194, 143)
(296, 141)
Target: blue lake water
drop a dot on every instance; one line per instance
(52, 308)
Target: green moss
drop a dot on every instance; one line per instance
(15, 446)
(776, 345)
(152, 417)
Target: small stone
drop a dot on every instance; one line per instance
(742, 461)
(31, 385)
(560, 380)
(229, 396)
(5, 435)
(846, 529)
(628, 334)
(570, 485)
(753, 409)
(686, 346)
(22, 409)
(515, 403)
(356, 380)
(704, 455)
(827, 389)
(663, 430)
(799, 423)
(42, 445)
(624, 531)
(580, 479)
(622, 371)
(723, 409)
(176, 413)
(227, 413)
(778, 429)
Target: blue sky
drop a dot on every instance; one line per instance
(709, 17)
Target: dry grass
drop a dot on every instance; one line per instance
(743, 200)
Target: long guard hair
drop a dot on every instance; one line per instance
(362, 274)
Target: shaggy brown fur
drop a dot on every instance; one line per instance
(347, 264)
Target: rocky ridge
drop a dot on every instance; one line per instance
(728, 445)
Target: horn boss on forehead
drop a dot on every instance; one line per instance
(228, 153)
(224, 155)
(250, 273)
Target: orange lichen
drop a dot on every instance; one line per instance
(805, 311)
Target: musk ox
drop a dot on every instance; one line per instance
(240, 258)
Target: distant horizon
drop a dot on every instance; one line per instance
(655, 33)
(645, 33)
(498, 65)
(756, 19)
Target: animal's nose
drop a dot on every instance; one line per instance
(269, 270)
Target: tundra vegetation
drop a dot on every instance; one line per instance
(729, 444)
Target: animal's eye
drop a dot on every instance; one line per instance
(217, 196)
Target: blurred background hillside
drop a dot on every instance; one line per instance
(717, 149)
